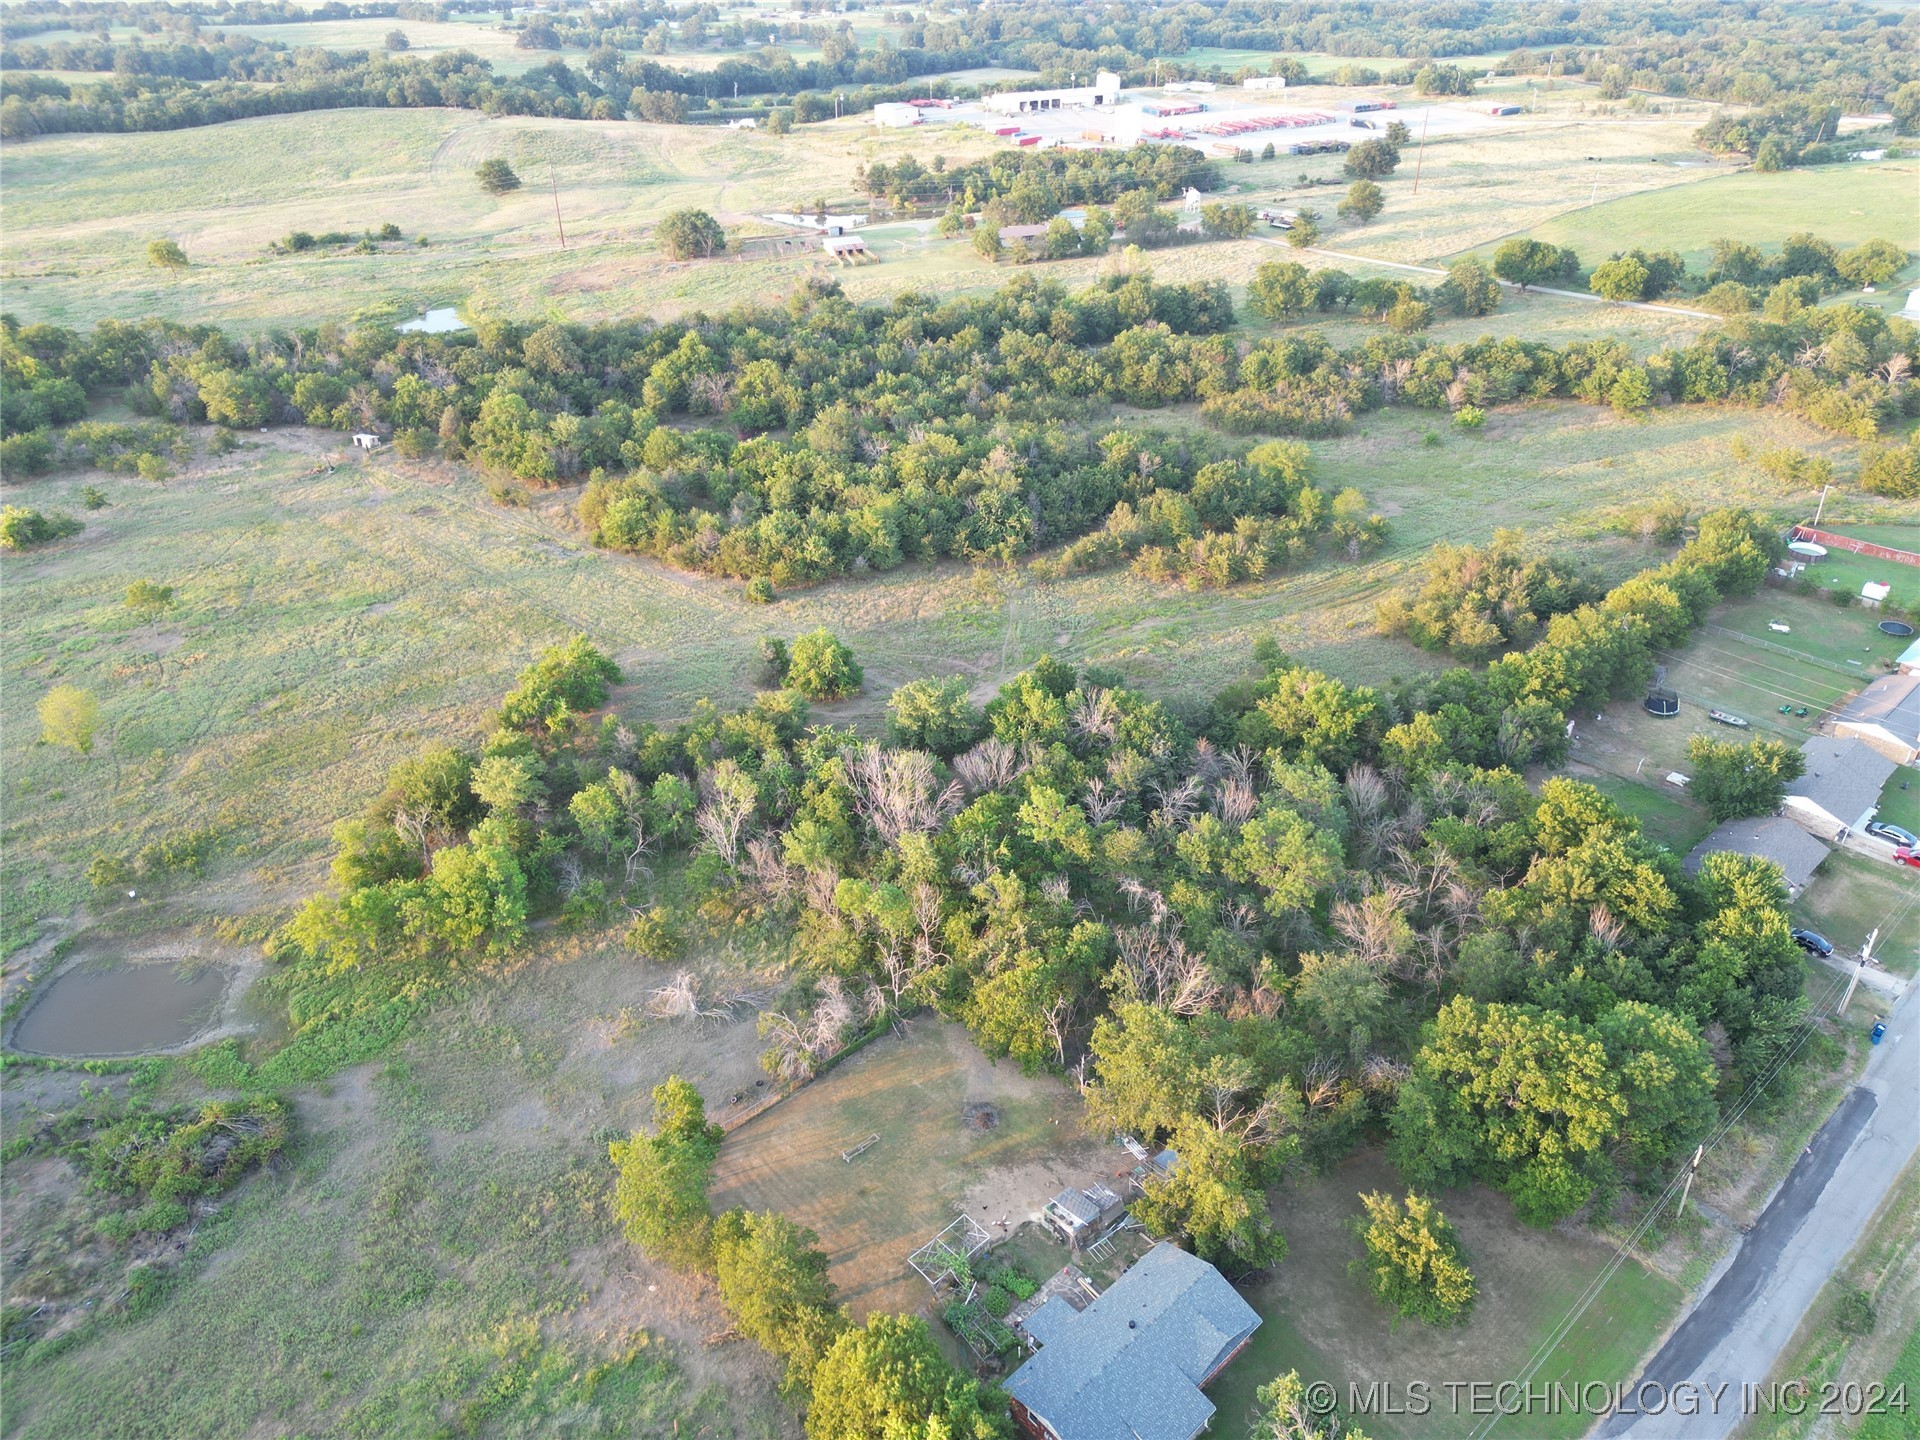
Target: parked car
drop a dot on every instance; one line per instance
(1813, 942)
(1884, 830)
(1907, 856)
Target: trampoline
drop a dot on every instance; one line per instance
(1663, 703)
(1895, 627)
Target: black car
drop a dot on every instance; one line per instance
(1882, 830)
(1813, 942)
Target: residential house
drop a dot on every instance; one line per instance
(1772, 837)
(1841, 786)
(1132, 1365)
(1886, 715)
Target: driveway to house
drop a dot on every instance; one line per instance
(1757, 1299)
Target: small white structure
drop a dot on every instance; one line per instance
(745, 122)
(1264, 82)
(847, 249)
(1873, 592)
(1912, 308)
(364, 441)
(894, 115)
(1104, 91)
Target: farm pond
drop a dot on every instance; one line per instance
(101, 1007)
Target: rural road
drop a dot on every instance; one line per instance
(1742, 1324)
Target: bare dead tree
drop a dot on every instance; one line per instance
(1095, 715)
(1607, 927)
(1376, 925)
(1176, 800)
(1234, 801)
(820, 887)
(1206, 761)
(1101, 802)
(790, 1054)
(1165, 972)
(898, 792)
(1057, 889)
(993, 764)
(772, 876)
(419, 828)
(728, 804)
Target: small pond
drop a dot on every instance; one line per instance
(435, 322)
(98, 1008)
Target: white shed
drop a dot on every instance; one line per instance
(895, 116)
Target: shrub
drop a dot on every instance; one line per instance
(1470, 417)
(21, 528)
(496, 177)
(1855, 1315)
(823, 668)
(92, 497)
(997, 1301)
(759, 591)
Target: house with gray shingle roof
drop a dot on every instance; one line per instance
(1131, 1365)
(1886, 715)
(1841, 786)
(1773, 837)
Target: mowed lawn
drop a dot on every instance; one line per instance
(1853, 894)
(1319, 1321)
(872, 1211)
(1845, 204)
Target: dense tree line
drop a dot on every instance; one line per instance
(1037, 184)
(826, 438)
(1262, 929)
(1478, 602)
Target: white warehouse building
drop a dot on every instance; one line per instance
(894, 116)
(1104, 91)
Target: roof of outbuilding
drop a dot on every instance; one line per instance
(1844, 776)
(1078, 1204)
(1773, 837)
(1131, 1363)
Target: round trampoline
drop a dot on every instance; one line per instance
(1895, 627)
(1663, 703)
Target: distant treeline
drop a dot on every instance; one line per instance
(841, 438)
(1845, 54)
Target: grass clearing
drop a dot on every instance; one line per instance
(1853, 894)
(912, 1092)
(1842, 203)
(1320, 1321)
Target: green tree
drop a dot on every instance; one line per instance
(1893, 471)
(166, 255)
(148, 600)
(660, 1195)
(1286, 1413)
(986, 242)
(1281, 289)
(569, 679)
(1873, 263)
(1414, 1262)
(1372, 160)
(1470, 288)
(773, 1278)
(821, 668)
(1305, 232)
(1224, 221)
(69, 716)
(1621, 279)
(1527, 262)
(397, 41)
(1523, 1098)
(685, 234)
(887, 1380)
(1733, 779)
(932, 715)
(21, 528)
(496, 177)
(1363, 201)
(1216, 1195)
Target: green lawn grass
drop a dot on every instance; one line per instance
(1853, 894)
(1319, 1321)
(1842, 203)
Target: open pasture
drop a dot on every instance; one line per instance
(1842, 203)
(914, 1093)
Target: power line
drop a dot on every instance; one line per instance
(1785, 1050)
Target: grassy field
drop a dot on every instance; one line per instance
(1854, 894)
(1319, 1321)
(871, 1212)
(436, 1257)
(82, 209)
(326, 625)
(1842, 203)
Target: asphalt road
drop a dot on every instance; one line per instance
(1737, 1331)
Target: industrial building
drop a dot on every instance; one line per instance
(1264, 82)
(893, 116)
(1105, 90)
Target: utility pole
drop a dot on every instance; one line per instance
(1866, 953)
(1687, 1189)
(555, 183)
(1820, 509)
(1421, 154)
